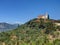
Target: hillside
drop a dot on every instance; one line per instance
(33, 32)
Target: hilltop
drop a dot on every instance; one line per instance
(38, 31)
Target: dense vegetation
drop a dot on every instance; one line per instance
(34, 32)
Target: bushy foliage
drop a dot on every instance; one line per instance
(31, 33)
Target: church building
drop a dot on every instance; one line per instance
(45, 16)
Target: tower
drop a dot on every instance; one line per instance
(47, 15)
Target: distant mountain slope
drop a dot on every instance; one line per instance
(6, 26)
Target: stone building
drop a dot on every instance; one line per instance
(45, 16)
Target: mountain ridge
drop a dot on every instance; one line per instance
(6, 26)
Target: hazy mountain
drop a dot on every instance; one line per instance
(6, 26)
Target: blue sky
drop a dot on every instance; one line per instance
(21, 11)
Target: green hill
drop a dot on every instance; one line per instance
(33, 32)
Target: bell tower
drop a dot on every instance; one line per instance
(47, 15)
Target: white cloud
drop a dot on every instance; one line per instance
(17, 22)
